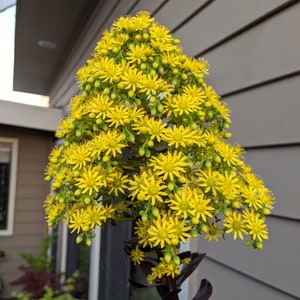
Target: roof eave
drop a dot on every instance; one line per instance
(29, 116)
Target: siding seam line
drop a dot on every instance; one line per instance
(275, 216)
(132, 6)
(159, 7)
(262, 83)
(192, 15)
(254, 147)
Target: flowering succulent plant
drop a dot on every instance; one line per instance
(145, 141)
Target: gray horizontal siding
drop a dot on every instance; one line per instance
(145, 5)
(231, 284)
(203, 31)
(266, 115)
(181, 11)
(277, 265)
(280, 169)
(266, 51)
(257, 71)
(29, 223)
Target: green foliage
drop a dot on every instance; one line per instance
(43, 262)
(38, 281)
(50, 294)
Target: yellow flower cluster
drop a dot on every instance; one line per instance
(145, 141)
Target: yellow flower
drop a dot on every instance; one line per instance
(211, 95)
(229, 153)
(229, 185)
(135, 184)
(266, 197)
(117, 116)
(54, 210)
(235, 224)
(137, 255)
(181, 202)
(137, 53)
(198, 67)
(181, 229)
(161, 232)
(136, 114)
(223, 110)
(55, 154)
(256, 226)
(209, 181)
(83, 73)
(251, 197)
(100, 106)
(117, 182)
(109, 211)
(169, 165)
(168, 57)
(141, 230)
(183, 104)
(97, 146)
(164, 269)
(96, 215)
(160, 33)
(114, 142)
(78, 111)
(89, 180)
(214, 232)
(200, 207)
(163, 46)
(80, 156)
(132, 78)
(106, 69)
(155, 128)
(60, 177)
(78, 220)
(152, 189)
(64, 127)
(180, 136)
(153, 85)
(124, 22)
(142, 20)
(120, 39)
(196, 93)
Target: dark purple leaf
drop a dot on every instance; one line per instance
(188, 269)
(205, 291)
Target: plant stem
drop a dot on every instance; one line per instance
(172, 287)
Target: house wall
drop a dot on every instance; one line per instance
(29, 221)
(253, 49)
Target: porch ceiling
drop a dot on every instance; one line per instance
(45, 33)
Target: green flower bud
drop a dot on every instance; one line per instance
(145, 217)
(155, 211)
(176, 260)
(167, 257)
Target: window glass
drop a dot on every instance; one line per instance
(8, 162)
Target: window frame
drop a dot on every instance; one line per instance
(12, 185)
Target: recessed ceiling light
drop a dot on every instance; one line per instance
(47, 44)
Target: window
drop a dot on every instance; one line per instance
(8, 176)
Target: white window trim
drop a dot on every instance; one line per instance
(12, 185)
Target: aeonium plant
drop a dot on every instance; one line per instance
(146, 141)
